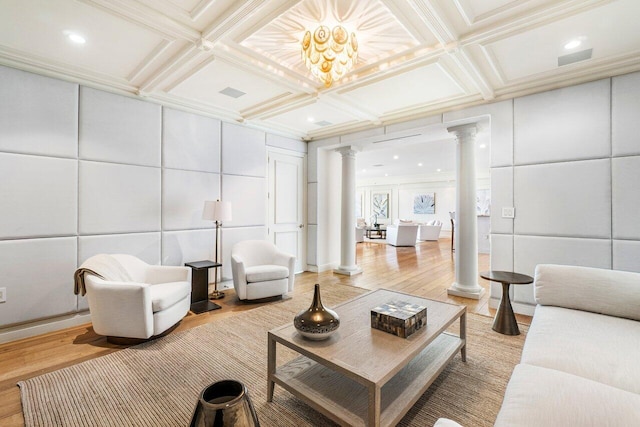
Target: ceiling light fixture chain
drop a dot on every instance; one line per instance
(329, 53)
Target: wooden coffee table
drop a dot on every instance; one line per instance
(362, 376)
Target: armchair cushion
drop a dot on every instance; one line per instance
(164, 295)
(262, 273)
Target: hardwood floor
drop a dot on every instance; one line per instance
(425, 270)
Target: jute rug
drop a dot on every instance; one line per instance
(157, 383)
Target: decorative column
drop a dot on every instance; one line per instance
(348, 264)
(466, 231)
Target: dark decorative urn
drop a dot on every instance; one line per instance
(317, 322)
(224, 404)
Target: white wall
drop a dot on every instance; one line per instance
(571, 173)
(84, 171)
(568, 160)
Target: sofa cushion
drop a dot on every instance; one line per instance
(615, 293)
(164, 295)
(262, 273)
(594, 346)
(538, 396)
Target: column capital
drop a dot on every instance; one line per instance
(348, 151)
(463, 132)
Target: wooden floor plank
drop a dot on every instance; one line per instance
(426, 270)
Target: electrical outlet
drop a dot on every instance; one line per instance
(508, 212)
(3, 294)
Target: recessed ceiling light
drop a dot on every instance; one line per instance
(483, 145)
(364, 170)
(419, 164)
(395, 157)
(573, 44)
(386, 174)
(438, 170)
(75, 37)
(310, 119)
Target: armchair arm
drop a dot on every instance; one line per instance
(167, 273)
(120, 308)
(239, 277)
(289, 261)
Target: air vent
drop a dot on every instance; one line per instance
(378, 166)
(583, 55)
(324, 123)
(234, 93)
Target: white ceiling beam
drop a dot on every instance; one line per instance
(277, 105)
(149, 59)
(434, 20)
(171, 67)
(142, 15)
(234, 16)
(472, 71)
(552, 12)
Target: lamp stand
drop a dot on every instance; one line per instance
(216, 294)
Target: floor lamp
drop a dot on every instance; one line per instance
(216, 211)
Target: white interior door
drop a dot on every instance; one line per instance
(287, 181)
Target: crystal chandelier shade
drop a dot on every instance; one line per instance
(329, 53)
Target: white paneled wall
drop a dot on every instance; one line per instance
(84, 171)
(572, 180)
(39, 196)
(38, 115)
(114, 128)
(117, 198)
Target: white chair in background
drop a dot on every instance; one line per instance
(360, 226)
(430, 230)
(134, 299)
(261, 270)
(402, 235)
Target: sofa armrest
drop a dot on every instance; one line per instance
(610, 292)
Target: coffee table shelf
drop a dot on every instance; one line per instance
(321, 387)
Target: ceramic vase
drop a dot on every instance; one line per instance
(317, 322)
(224, 404)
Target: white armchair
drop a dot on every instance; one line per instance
(402, 235)
(430, 230)
(260, 270)
(135, 299)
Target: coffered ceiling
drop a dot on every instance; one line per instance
(416, 57)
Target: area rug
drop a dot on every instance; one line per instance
(157, 383)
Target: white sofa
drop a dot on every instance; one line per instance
(430, 231)
(402, 234)
(135, 299)
(580, 364)
(261, 270)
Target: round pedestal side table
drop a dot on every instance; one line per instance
(505, 321)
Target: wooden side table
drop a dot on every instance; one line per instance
(200, 286)
(505, 321)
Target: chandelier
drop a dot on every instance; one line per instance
(329, 54)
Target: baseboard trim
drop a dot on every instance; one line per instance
(40, 327)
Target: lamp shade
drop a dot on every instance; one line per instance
(216, 211)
